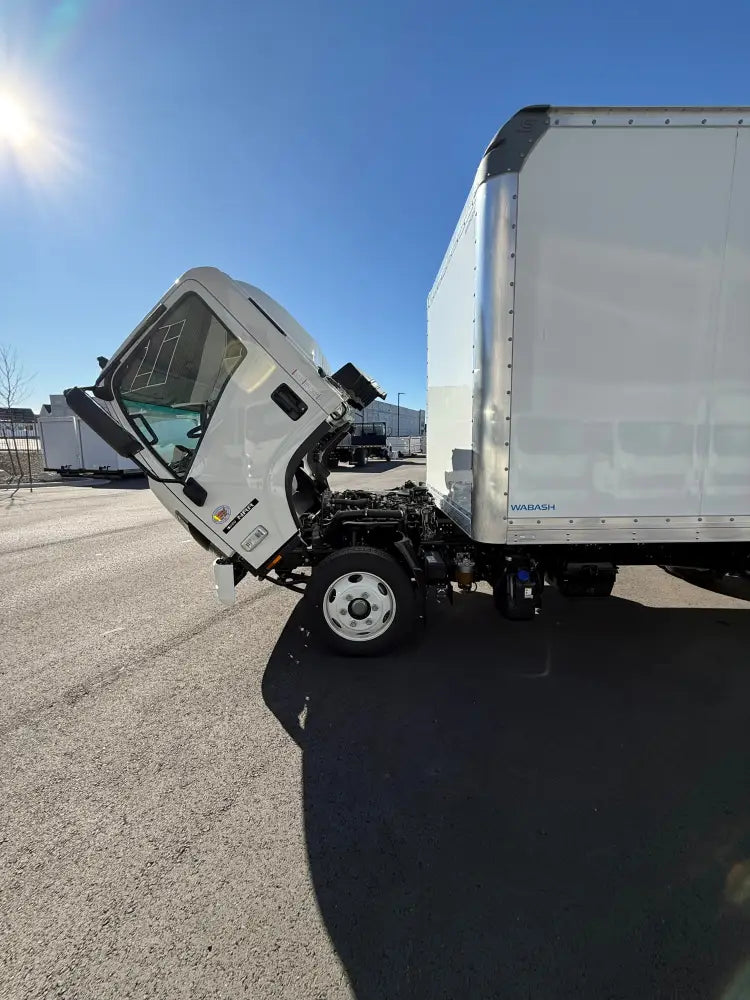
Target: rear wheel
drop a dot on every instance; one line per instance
(517, 593)
(360, 602)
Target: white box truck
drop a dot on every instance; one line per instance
(588, 389)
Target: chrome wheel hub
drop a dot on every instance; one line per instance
(359, 606)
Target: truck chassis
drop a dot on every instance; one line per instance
(402, 543)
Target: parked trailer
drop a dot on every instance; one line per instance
(588, 389)
(405, 446)
(72, 448)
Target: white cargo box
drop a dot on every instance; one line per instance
(71, 447)
(589, 332)
(405, 446)
(61, 445)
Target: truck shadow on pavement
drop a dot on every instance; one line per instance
(126, 483)
(552, 809)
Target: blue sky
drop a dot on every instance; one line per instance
(320, 150)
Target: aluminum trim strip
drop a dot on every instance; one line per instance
(650, 117)
(497, 213)
(584, 530)
(715, 520)
(609, 536)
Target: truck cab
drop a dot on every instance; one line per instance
(227, 404)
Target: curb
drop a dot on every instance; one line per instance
(54, 482)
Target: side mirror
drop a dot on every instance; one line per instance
(102, 424)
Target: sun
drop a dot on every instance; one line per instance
(33, 148)
(16, 125)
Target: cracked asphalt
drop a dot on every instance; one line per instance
(194, 803)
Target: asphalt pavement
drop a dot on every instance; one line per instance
(194, 803)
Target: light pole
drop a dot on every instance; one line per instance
(398, 412)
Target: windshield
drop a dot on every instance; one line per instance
(170, 384)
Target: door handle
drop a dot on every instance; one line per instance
(289, 401)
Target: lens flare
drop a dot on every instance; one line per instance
(47, 154)
(35, 148)
(16, 125)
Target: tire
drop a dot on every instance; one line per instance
(392, 618)
(508, 599)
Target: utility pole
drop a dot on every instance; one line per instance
(398, 412)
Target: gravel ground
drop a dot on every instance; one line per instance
(196, 804)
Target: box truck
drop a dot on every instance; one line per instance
(588, 343)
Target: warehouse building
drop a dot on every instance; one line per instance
(398, 420)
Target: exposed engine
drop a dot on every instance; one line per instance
(410, 507)
(404, 521)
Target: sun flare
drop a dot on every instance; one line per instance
(37, 148)
(16, 125)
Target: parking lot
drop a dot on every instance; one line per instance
(197, 804)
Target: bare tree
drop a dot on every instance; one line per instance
(15, 384)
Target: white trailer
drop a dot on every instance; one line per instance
(588, 389)
(71, 448)
(405, 446)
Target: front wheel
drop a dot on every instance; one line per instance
(360, 602)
